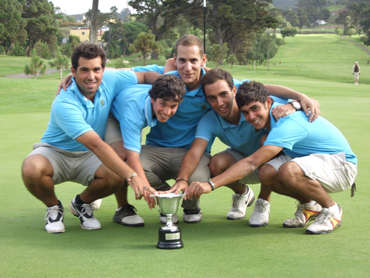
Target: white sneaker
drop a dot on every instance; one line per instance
(85, 213)
(96, 204)
(304, 214)
(260, 214)
(325, 222)
(240, 204)
(54, 219)
(192, 216)
(163, 218)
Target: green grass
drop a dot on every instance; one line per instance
(216, 247)
(334, 8)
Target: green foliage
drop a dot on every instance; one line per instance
(42, 50)
(145, 44)
(18, 50)
(40, 22)
(72, 38)
(232, 60)
(339, 31)
(11, 23)
(288, 31)
(218, 53)
(36, 66)
(60, 62)
(121, 63)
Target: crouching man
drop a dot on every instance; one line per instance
(316, 160)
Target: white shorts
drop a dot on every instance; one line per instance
(252, 178)
(78, 167)
(333, 171)
(356, 75)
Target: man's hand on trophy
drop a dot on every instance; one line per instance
(196, 189)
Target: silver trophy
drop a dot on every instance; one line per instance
(169, 234)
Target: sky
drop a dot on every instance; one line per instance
(70, 7)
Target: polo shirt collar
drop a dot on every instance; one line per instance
(82, 99)
(149, 113)
(225, 124)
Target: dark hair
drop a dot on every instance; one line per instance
(251, 91)
(214, 75)
(190, 40)
(88, 51)
(168, 87)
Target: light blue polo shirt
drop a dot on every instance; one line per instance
(133, 109)
(179, 130)
(72, 114)
(156, 68)
(242, 137)
(298, 137)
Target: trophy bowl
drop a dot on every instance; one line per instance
(169, 234)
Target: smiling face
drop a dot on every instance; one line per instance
(164, 109)
(221, 98)
(257, 113)
(88, 75)
(189, 62)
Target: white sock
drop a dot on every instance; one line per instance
(310, 203)
(334, 208)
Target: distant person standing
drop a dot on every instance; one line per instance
(356, 72)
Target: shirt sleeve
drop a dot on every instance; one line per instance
(117, 80)
(205, 127)
(286, 133)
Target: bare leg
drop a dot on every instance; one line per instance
(294, 180)
(37, 173)
(220, 163)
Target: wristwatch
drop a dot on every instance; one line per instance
(296, 105)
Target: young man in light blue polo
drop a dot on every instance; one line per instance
(72, 148)
(316, 160)
(226, 122)
(135, 108)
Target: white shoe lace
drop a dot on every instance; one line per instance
(52, 213)
(237, 201)
(299, 211)
(323, 217)
(87, 210)
(260, 207)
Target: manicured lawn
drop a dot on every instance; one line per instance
(216, 247)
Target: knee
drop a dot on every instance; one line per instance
(287, 173)
(216, 166)
(267, 175)
(32, 170)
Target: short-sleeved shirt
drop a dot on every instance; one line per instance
(179, 130)
(133, 109)
(298, 137)
(156, 68)
(72, 114)
(242, 137)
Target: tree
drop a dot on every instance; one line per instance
(218, 53)
(268, 48)
(292, 17)
(60, 62)
(11, 24)
(288, 31)
(145, 44)
(94, 26)
(36, 66)
(161, 15)
(232, 60)
(40, 22)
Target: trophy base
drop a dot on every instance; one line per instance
(169, 239)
